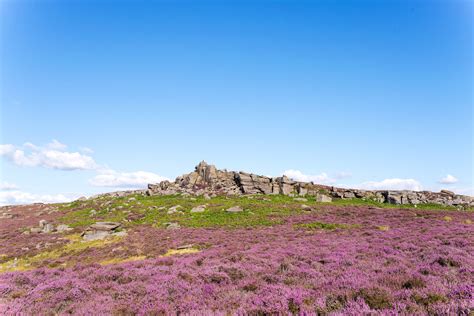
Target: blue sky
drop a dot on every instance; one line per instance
(371, 94)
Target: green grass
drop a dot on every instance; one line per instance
(259, 210)
(368, 202)
(321, 225)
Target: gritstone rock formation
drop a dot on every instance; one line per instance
(207, 180)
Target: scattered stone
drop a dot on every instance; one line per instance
(206, 197)
(305, 207)
(95, 235)
(36, 230)
(92, 213)
(234, 209)
(63, 228)
(300, 199)
(323, 198)
(188, 246)
(42, 223)
(172, 225)
(121, 233)
(48, 228)
(132, 199)
(174, 209)
(100, 230)
(198, 209)
(105, 226)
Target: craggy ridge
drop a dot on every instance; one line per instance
(207, 179)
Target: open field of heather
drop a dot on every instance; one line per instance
(235, 255)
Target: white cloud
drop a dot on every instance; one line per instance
(343, 175)
(464, 191)
(5, 186)
(56, 145)
(297, 175)
(51, 156)
(137, 179)
(86, 150)
(392, 184)
(449, 179)
(20, 197)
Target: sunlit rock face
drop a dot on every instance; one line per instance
(207, 180)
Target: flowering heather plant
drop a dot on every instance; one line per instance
(334, 260)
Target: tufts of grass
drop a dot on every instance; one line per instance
(383, 228)
(258, 211)
(75, 246)
(368, 202)
(173, 252)
(121, 260)
(321, 225)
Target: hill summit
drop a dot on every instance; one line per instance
(207, 180)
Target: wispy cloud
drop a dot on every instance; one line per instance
(86, 150)
(53, 156)
(6, 186)
(343, 175)
(20, 197)
(392, 184)
(297, 175)
(449, 179)
(137, 179)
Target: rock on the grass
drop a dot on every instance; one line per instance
(234, 209)
(188, 246)
(95, 235)
(174, 209)
(63, 228)
(323, 198)
(172, 225)
(300, 199)
(100, 230)
(305, 207)
(48, 228)
(198, 209)
(105, 226)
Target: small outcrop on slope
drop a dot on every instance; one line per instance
(207, 180)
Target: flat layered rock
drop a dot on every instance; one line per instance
(105, 226)
(234, 209)
(198, 209)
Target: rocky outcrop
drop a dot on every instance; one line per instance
(209, 181)
(102, 230)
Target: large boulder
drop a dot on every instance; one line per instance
(101, 230)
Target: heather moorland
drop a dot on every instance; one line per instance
(276, 254)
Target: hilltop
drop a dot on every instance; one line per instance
(217, 241)
(208, 180)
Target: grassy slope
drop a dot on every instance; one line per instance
(258, 210)
(135, 210)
